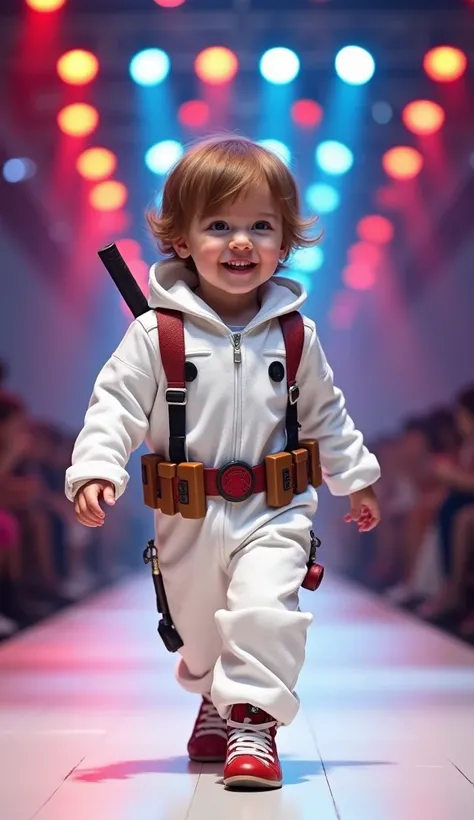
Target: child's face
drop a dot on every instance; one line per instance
(247, 231)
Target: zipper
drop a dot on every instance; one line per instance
(236, 343)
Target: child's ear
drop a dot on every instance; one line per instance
(181, 248)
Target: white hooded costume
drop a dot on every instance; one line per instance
(232, 578)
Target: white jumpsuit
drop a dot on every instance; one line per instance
(232, 579)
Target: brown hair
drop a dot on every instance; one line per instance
(220, 170)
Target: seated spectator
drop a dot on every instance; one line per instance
(456, 516)
(424, 494)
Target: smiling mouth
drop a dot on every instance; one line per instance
(239, 267)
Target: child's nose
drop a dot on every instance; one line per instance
(240, 241)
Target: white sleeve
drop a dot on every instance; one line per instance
(347, 465)
(116, 421)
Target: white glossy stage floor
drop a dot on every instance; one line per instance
(93, 727)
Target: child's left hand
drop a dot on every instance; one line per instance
(365, 509)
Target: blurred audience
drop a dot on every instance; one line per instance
(47, 559)
(422, 554)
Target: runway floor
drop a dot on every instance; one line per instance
(93, 726)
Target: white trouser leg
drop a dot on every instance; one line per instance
(196, 587)
(263, 631)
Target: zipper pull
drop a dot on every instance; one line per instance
(236, 344)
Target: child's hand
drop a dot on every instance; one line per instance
(86, 502)
(365, 510)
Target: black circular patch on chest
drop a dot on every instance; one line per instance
(190, 371)
(276, 371)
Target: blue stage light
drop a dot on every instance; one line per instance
(322, 198)
(279, 65)
(18, 169)
(334, 157)
(150, 67)
(162, 156)
(307, 259)
(354, 65)
(278, 148)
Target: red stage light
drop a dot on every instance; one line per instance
(108, 196)
(445, 63)
(376, 229)
(423, 117)
(306, 113)
(364, 253)
(216, 65)
(359, 277)
(402, 162)
(194, 113)
(96, 163)
(130, 248)
(77, 67)
(78, 119)
(169, 4)
(45, 5)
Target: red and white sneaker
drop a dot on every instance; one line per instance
(208, 742)
(252, 757)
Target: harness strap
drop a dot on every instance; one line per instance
(173, 357)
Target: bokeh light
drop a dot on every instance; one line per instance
(17, 169)
(129, 248)
(445, 64)
(169, 4)
(306, 113)
(163, 155)
(276, 147)
(364, 253)
(402, 162)
(149, 67)
(322, 198)
(216, 65)
(376, 229)
(343, 309)
(354, 65)
(423, 117)
(334, 157)
(307, 259)
(96, 163)
(359, 276)
(45, 5)
(382, 112)
(108, 196)
(77, 67)
(194, 113)
(279, 66)
(78, 119)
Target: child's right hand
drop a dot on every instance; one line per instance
(86, 502)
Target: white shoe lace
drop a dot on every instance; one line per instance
(210, 721)
(253, 739)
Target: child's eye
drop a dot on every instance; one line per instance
(262, 225)
(218, 225)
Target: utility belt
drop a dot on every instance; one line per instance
(184, 488)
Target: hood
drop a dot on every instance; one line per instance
(172, 287)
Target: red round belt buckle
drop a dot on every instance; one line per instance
(235, 481)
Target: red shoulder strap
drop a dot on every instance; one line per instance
(171, 340)
(293, 333)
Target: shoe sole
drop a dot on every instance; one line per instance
(207, 759)
(245, 781)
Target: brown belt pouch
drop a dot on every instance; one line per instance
(315, 474)
(167, 473)
(191, 490)
(150, 480)
(279, 474)
(300, 467)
